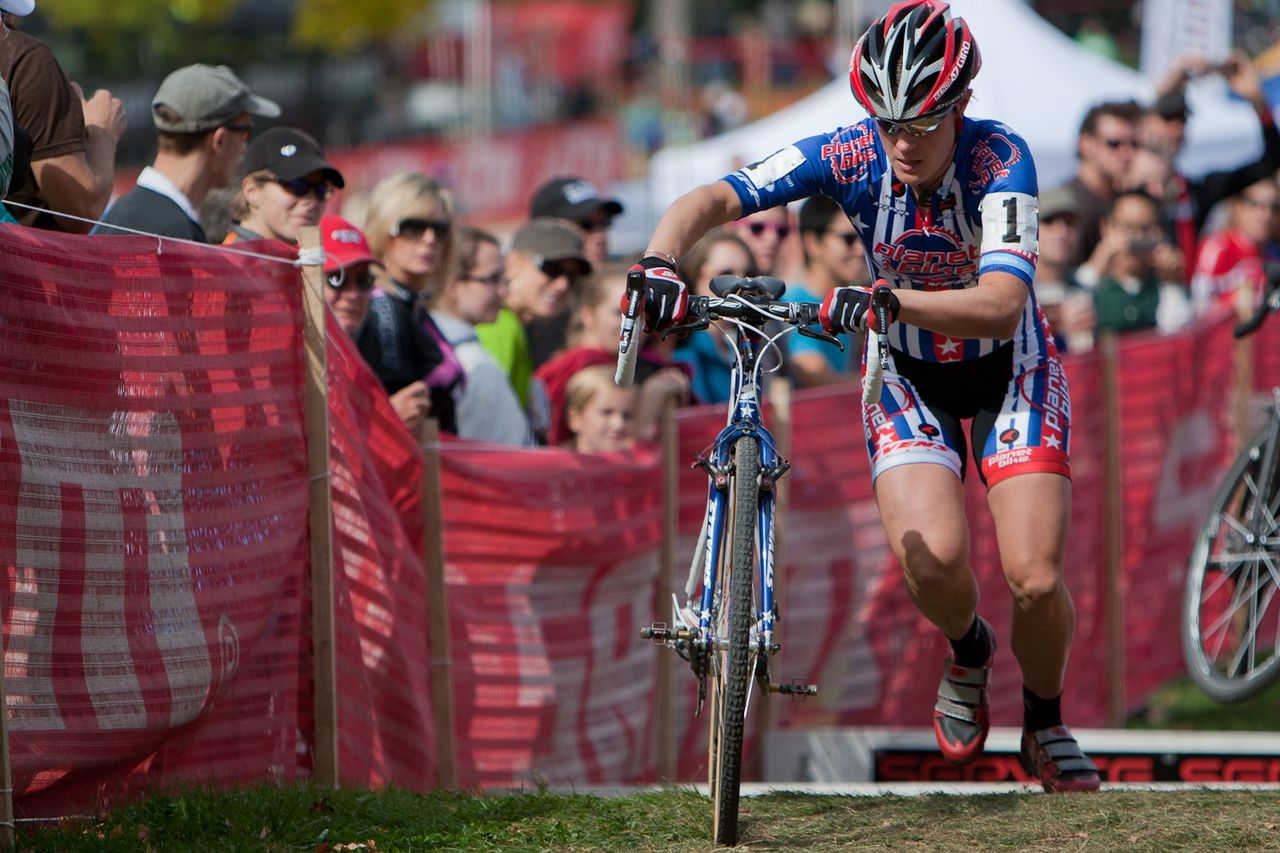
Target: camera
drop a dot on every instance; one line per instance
(1143, 245)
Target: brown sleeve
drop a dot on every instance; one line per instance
(44, 103)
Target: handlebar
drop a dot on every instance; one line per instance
(878, 343)
(1270, 304)
(750, 300)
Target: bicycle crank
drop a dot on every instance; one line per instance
(798, 689)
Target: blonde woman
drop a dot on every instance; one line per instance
(409, 225)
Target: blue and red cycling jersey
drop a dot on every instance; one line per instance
(981, 218)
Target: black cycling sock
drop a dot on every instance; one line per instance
(1040, 713)
(974, 647)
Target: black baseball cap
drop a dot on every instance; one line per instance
(289, 154)
(571, 198)
(1172, 105)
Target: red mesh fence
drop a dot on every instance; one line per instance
(153, 528)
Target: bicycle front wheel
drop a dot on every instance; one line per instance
(733, 663)
(1230, 611)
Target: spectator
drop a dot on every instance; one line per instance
(1188, 202)
(409, 225)
(594, 328)
(203, 117)
(764, 233)
(73, 140)
(578, 201)
(599, 413)
(474, 288)
(1067, 305)
(833, 257)
(1105, 146)
(284, 185)
(1141, 277)
(1231, 260)
(710, 356)
(349, 273)
(546, 261)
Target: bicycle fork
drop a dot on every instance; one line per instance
(694, 636)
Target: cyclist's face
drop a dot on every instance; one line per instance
(921, 161)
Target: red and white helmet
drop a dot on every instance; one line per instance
(915, 61)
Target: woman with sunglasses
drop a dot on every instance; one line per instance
(409, 223)
(765, 232)
(285, 183)
(945, 206)
(475, 285)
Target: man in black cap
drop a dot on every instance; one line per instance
(203, 116)
(578, 201)
(284, 184)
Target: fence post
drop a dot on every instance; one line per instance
(1113, 574)
(320, 515)
(664, 688)
(438, 644)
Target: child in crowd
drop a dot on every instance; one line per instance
(599, 413)
(594, 326)
(348, 272)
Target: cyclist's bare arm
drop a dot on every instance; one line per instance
(990, 310)
(694, 214)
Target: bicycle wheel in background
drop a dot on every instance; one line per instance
(731, 668)
(1230, 611)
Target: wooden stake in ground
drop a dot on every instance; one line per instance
(441, 678)
(323, 642)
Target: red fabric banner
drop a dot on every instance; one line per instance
(153, 531)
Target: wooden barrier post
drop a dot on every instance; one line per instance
(6, 776)
(320, 516)
(440, 670)
(1113, 573)
(664, 689)
(1243, 352)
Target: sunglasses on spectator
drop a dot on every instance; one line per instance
(414, 228)
(556, 269)
(847, 237)
(496, 280)
(922, 126)
(1114, 144)
(596, 223)
(758, 228)
(301, 188)
(242, 130)
(363, 282)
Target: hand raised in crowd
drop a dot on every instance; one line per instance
(104, 111)
(413, 404)
(1169, 262)
(1242, 78)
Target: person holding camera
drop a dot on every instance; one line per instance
(1141, 272)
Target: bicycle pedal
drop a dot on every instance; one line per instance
(661, 634)
(798, 689)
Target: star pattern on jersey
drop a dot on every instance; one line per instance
(949, 349)
(1052, 442)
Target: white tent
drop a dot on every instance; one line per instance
(1033, 78)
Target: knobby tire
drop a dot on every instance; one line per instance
(729, 709)
(1230, 609)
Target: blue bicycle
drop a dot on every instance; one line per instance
(725, 630)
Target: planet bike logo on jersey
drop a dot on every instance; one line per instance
(933, 257)
(992, 157)
(850, 160)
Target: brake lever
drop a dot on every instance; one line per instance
(821, 336)
(686, 328)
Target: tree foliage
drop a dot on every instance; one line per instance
(341, 26)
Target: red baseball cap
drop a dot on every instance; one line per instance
(343, 244)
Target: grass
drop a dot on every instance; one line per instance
(1182, 705)
(305, 819)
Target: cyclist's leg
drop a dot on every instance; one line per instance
(922, 510)
(1031, 514)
